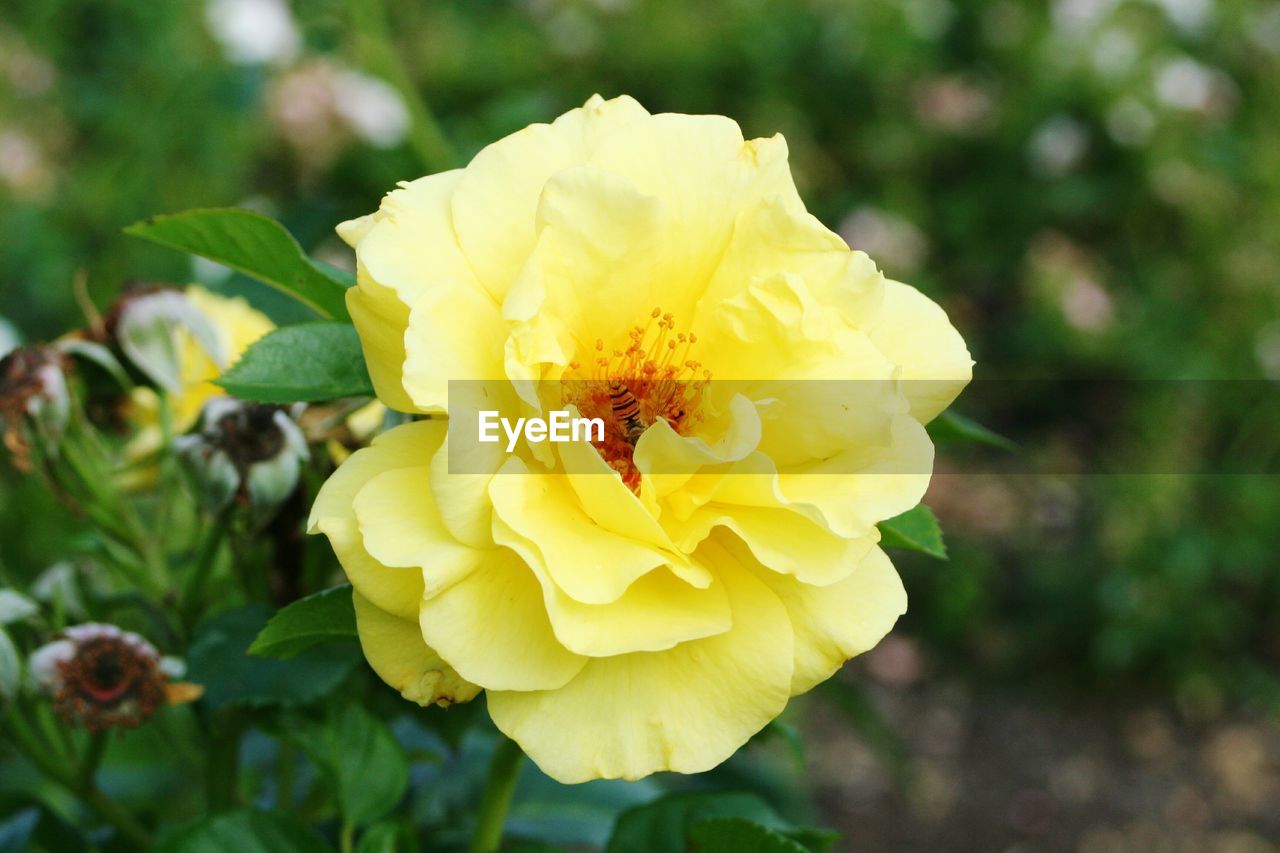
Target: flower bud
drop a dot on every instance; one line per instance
(34, 399)
(249, 452)
(101, 677)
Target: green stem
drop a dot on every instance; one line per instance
(92, 758)
(224, 764)
(379, 55)
(285, 763)
(111, 811)
(37, 752)
(504, 770)
(205, 557)
(55, 733)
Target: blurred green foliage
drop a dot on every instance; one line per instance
(1090, 188)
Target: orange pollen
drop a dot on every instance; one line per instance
(630, 389)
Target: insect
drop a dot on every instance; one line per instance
(626, 409)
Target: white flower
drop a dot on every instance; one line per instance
(372, 108)
(254, 32)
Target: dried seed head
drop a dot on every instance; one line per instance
(250, 452)
(100, 677)
(34, 398)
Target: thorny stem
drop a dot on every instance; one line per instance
(504, 770)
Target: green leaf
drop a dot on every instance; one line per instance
(10, 668)
(16, 829)
(365, 766)
(254, 245)
(669, 823)
(301, 363)
(327, 615)
(244, 831)
(29, 824)
(915, 530)
(738, 835)
(574, 815)
(951, 428)
(217, 660)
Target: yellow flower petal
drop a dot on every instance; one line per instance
(395, 650)
(686, 709)
(462, 498)
(405, 445)
(237, 325)
(495, 204)
(381, 317)
(782, 540)
(837, 622)
(606, 499)
(401, 528)
(492, 628)
(778, 235)
(656, 612)
(445, 327)
(598, 263)
(915, 334)
(587, 562)
(669, 460)
(391, 278)
(396, 590)
(706, 175)
(866, 485)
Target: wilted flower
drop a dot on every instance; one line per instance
(101, 677)
(650, 600)
(250, 452)
(34, 399)
(181, 340)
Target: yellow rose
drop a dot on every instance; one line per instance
(650, 602)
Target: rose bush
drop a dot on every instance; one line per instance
(650, 602)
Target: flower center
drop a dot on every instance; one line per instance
(630, 389)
